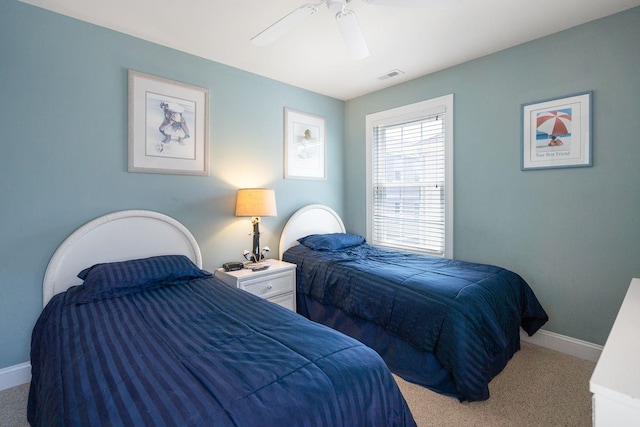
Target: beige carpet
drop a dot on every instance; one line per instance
(13, 406)
(539, 387)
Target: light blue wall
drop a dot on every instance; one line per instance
(573, 234)
(63, 158)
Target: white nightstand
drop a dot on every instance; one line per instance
(276, 284)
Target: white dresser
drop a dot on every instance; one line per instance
(615, 382)
(276, 284)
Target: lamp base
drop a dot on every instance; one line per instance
(255, 251)
(256, 255)
(252, 257)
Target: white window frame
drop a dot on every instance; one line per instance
(405, 114)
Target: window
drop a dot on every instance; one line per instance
(410, 177)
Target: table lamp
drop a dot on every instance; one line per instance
(255, 203)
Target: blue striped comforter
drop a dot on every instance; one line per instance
(200, 354)
(468, 315)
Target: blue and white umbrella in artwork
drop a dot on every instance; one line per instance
(554, 123)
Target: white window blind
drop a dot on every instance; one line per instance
(408, 178)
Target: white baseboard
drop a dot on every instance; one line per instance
(564, 344)
(15, 375)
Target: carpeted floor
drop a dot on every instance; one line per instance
(13, 406)
(539, 387)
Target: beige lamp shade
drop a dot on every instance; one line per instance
(256, 202)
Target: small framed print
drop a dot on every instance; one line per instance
(304, 146)
(168, 126)
(556, 133)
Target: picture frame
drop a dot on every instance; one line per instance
(556, 133)
(305, 146)
(168, 127)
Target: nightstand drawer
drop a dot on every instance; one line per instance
(266, 287)
(286, 300)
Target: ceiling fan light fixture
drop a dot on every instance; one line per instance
(352, 34)
(347, 22)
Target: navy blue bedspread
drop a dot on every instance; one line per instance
(199, 354)
(468, 315)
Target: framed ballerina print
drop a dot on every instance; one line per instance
(168, 126)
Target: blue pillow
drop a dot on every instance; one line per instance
(114, 279)
(332, 241)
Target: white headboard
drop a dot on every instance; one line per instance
(311, 219)
(118, 236)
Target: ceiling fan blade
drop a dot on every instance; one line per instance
(399, 3)
(284, 25)
(352, 35)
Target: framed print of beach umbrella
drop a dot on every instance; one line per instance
(554, 123)
(556, 133)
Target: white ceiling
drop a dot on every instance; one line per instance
(313, 56)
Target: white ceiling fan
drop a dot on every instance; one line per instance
(347, 22)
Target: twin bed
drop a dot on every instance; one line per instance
(145, 337)
(445, 324)
(134, 332)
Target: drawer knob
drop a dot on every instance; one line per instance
(269, 286)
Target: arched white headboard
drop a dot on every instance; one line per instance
(311, 219)
(118, 236)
